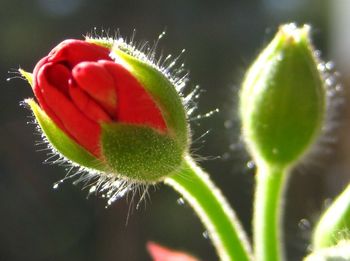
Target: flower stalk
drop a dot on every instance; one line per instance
(223, 227)
(268, 210)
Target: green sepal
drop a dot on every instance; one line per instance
(163, 93)
(62, 143)
(27, 75)
(139, 153)
(334, 223)
(283, 99)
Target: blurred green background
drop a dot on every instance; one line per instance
(221, 38)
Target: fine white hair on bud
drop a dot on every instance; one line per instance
(335, 101)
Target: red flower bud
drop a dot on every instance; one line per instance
(79, 86)
(103, 108)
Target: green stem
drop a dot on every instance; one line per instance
(205, 198)
(270, 183)
(334, 222)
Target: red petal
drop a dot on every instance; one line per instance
(93, 78)
(40, 98)
(75, 51)
(134, 104)
(87, 105)
(77, 125)
(160, 253)
(58, 75)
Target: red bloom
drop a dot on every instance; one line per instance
(79, 87)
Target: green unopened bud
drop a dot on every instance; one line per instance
(340, 252)
(283, 99)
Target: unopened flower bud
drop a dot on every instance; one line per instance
(283, 99)
(103, 109)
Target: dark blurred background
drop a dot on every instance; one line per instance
(221, 38)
